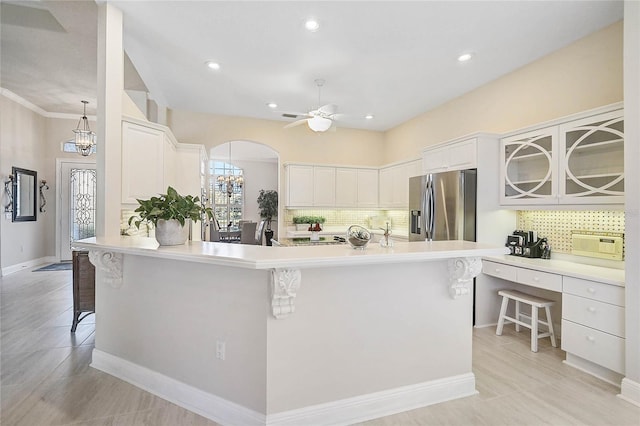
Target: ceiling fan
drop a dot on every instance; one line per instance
(318, 120)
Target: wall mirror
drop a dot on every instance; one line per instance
(24, 194)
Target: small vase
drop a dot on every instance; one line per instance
(171, 233)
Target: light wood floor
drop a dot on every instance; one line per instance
(46, 378)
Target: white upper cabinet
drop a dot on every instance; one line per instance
(451, 156)
(143, 150)
(299, 181)
(152, 160)
(324, 186)
(394, 184)
(574, 162)
(592, 160)
(347, 187)
(529, 167)
(367, 188)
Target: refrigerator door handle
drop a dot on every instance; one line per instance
(429, 209)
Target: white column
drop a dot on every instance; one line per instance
(631, 383)
(110, 90)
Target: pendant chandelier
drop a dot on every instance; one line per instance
(85, 139)
(230, 183)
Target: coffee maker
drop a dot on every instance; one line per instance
(527, 244)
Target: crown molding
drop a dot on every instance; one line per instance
(25, 103)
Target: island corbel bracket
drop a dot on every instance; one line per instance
(110, 264)
(461, 274)
(284, 285)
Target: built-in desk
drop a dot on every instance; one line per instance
(590, 309)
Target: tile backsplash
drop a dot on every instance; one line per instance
(343, 217)
(556, 226)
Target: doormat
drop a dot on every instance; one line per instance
(62, 266)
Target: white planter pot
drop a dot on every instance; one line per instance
(171, 233)
(302, 226)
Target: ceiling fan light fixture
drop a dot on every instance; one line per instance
(319, 124)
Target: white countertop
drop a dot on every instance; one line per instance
(563, 267)
(263, 257)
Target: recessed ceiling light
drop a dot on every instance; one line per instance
(213, 65)
(272, 105)
(312, 25)
(369, 117)
(465, 57)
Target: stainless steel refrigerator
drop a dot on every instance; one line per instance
(442, 206)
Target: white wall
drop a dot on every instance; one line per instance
(22, 144)
(584, 75)
(257, 175)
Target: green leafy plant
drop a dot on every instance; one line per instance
(170, 206)
(308, 219)
(268, 205)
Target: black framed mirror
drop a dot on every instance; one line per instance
(25, 186)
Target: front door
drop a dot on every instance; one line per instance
(77, 182)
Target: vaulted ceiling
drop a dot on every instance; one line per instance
(391, 59)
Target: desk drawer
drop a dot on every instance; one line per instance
(593, 345)
(539, 279)
(601, 316)
(499, 270)
(594, 290)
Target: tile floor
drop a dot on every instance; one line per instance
(46, 378)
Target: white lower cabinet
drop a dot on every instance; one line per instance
(593, 345)
(593, 326)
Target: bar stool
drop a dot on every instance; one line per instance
(535, 303)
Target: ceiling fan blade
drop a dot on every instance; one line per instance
(328, 109)
(296, 123)
(288, 114)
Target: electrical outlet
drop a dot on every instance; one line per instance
(221, 348)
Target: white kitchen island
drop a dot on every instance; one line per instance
(259, 335)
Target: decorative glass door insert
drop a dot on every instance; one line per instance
(83, 204)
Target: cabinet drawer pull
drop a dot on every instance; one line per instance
(591, 309)
(591, 338)
(591, 290)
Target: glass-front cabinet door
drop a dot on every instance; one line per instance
(592, 160)
(529, 171)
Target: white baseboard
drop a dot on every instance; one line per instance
(193, 399)
(28, 264)
(630, 391)
(379, 404)
(345, 411)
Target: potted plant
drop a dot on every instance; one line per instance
(302, 222)
(168, 213)
(268, 205)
